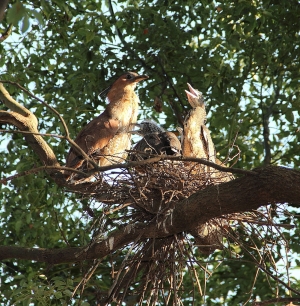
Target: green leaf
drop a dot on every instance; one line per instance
(16, 13)
(58, 295)
(290, 116)
(38, 16)
(89, 36)
(119, 23)
(67, 292)
(18, 225)
(25, 23)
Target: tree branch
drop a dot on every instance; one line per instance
(240, 195)
(26, 121)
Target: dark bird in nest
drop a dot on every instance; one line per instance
(155, 141)
(106, 138)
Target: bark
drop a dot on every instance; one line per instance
(24, 120)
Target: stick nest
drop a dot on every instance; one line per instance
(154, 269)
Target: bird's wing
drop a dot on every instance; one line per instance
(173, 143)
(208, 144)
(93, 137)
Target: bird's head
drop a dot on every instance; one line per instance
(195, 97)
(147, 127)
(127, 79)
(131, 78)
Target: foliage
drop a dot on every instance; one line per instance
(243, 56)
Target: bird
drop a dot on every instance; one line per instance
(155, 141)
(106, 138)
(196, 139)
(195, 126)
(197, 142)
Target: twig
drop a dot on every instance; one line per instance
(128, 48)
(33, 133)
(266, 120)
(86, 277)
(179, 117)
(7, 33)
(61, 231)
(259, 265)
(38, 169)
(133, 164)
(288, 226)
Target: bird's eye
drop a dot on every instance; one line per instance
(128, 76)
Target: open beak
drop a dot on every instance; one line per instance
(192, 93)
(195, 97)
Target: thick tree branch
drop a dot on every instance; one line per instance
(241, 195)
(26, 121)
(38, 99)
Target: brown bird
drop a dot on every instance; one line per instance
(155, 141)
(107, 136)
(196, 140)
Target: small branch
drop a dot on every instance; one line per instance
(266, 121)
(133, 164)
(38, 169)
(177, 112)
(14, 105)
(3, 5)
(128, 48)
(157, 158)
(287, 226)
(7, 33)
(33, 133)
(40, 100)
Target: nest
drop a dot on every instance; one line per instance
(154, 269)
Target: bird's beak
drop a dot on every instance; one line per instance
(104, 92)
(139, 78)
(192, 93)
(133, 125)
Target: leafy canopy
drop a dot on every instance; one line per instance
(243, 56)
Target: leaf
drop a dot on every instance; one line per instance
(58, 295)
(18, 225)
(25, 23)
(89, 36)
(16, 13)
(289, 115)
(67, 292)
(119, 23)
(38, 16)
